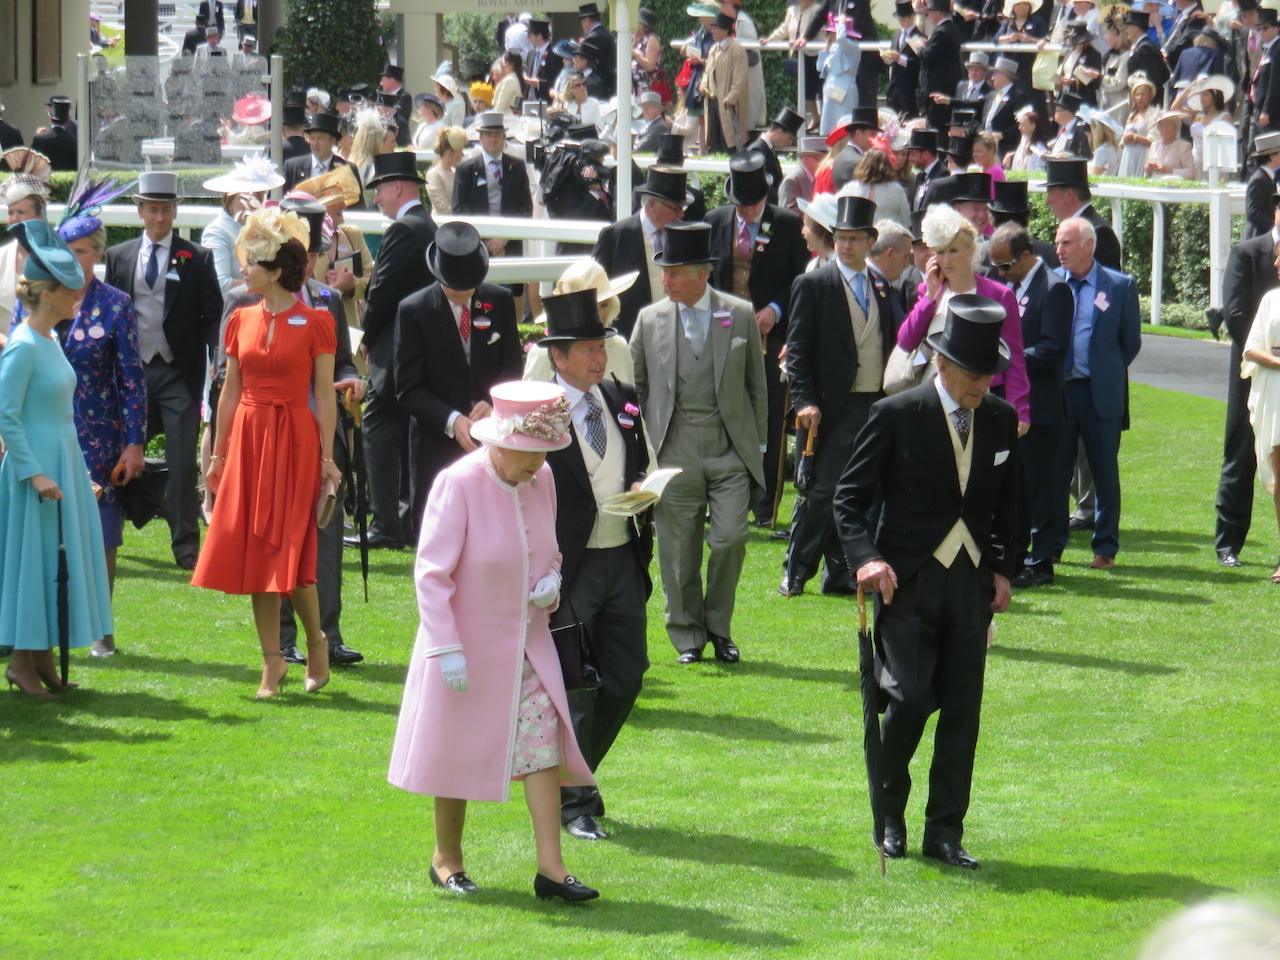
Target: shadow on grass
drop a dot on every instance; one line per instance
(332, 697)
(1094, 883)
(640, 918)
(52, 740)
(1166, 541)
(1119, 585)
(721, 848)
(1131, 667)
(766, 668)
(730, 726)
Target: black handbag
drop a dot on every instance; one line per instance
(577, 659)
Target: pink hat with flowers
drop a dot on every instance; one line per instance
(527, 415)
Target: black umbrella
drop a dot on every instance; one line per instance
(64, 610)
(142, 498)
(358, 481)
(806, 468)
(871, 725)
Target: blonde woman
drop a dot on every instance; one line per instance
(586, 274)
(1104, 134)
(952, 270)
(450, 142)
(1139, 129)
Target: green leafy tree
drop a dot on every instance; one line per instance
(330, 43)
(472, 36)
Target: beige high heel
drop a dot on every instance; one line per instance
(264, 691)
(309, 683)
(40, 693)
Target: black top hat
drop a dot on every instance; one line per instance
(384, 99)
(724, 21)
(748, 183)
(1244, 6)
(360, 89)
(324, 123)
(864, 118)
(295, 96)
(666, 183)
(293, 116)
(923, 139)
(917, 225)
(581, 131)
(1077, 33)
(394, 72)
(963, 113)
(457, 256)
(1011, 197)
(1066, 173)
(1071, 102)
(959, 147)
(314, 214)
(938, 6)
(1268, 17)
(788, 120)
(59, 108)
(685, 244)
(971, 336)
(394, 166)
(943, 189)
(591, 49)
(856, 213)
(541, 27)
(972, 188)
(1137, 18)
(903, 8)
(588, 10)
(671, 149)
(574, 316)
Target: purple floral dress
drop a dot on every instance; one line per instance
(111, 389)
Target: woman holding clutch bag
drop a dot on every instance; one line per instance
(272, 458)
(484, 702)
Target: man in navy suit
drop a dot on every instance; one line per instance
(1105, 337)
(179, 307)
(1045, 303)
(942, 458)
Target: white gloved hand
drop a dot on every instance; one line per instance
(454, 668)
(545, 591)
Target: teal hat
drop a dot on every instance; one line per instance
(48, 256)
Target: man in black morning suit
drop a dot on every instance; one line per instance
(399, 270)
(453, 341)
(493, 183)
(836, 352)
(943, 457)
(1047, 309)
(604, 571)
(1067, 195)
(1250, 275)
(391, 83)
(630, 244)
(1260, 191)
(904, 68)
(781, 135)
(940, 67)
(178, 304)
(322, 137)
(759, 251)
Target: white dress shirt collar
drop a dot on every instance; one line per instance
(406, 208)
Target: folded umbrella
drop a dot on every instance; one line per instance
(64, 608)
(359, 482)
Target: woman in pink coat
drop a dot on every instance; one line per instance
(484, 702)
(951, 270)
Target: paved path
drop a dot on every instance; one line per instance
(1189, 366)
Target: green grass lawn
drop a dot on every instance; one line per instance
(1127, 766)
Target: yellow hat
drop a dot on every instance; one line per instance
(340, 182)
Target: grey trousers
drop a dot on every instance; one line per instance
(173, 412)
(714, 478)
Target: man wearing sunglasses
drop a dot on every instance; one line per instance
(1047, 307)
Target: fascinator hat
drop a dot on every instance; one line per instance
(942, 224)
(48, 256)
(528, 415)
(265, 231)
(80, 219)
(32, 172)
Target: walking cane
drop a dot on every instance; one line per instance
(358, 480)
(805, 477)
(871, 726)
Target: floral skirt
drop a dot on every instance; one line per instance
(537, 744)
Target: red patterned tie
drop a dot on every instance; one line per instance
(464, 324)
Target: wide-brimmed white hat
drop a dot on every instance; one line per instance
(256, 173)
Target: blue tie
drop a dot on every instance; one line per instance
(153, 269)
(1077, 284)
(860, 292)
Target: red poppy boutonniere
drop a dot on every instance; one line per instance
(181, 258)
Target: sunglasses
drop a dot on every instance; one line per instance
(1005, 267)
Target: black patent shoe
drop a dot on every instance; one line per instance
(571, 890)
(455, 883)
(951, 853)
(291, 654)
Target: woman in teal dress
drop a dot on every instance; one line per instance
(43, 464)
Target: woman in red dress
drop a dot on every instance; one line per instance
(272, 453)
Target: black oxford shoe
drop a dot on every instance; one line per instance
(790, 588)
(1032, 577)
(895, 842)
(952, 854)
(1228, 559)
(341, 654)
(726, 649)
(291, 654)
(689, 656)
(455, 883)
(586, 827)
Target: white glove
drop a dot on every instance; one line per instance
(454, 668)
(545, 591)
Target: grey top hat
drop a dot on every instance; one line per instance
(490, 120)
(157, 187)
(1006, 65)
(1266, 143)
(978, 59)
(971, 337)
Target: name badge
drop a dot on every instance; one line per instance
(482, 323)
(724, 315)
(1100, 301)
(297, 321)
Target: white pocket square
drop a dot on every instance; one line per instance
(737, 343)
(1001, 457)
(496, 336)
